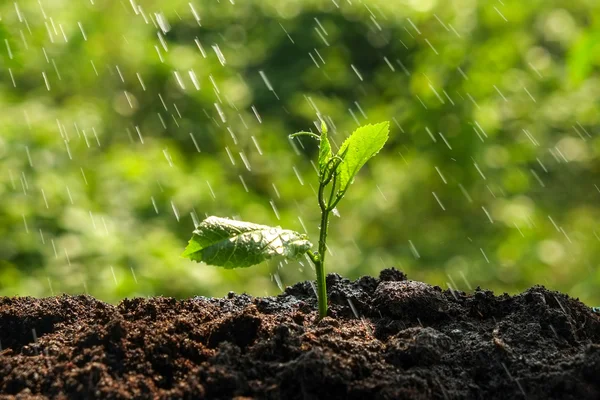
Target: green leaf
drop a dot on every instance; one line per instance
(324, 152)
(323, 127)
(364, 143)
(235, 244)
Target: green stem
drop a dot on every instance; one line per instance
(293, 135)
(332, 194)
(313, 257)
(319, 258)
(320, 265)
(338, 197)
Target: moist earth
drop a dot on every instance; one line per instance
(385, 338)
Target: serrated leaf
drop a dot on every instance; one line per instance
(364, 143)
(324, 154)
(236, 244)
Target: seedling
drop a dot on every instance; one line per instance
(235, 244)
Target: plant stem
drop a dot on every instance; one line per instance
(319, 258)
(320, 265)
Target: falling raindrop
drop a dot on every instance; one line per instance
(219, 54)
(25, 222)
(322, 37)
(82, 31)
(46, 80)
(94, 67)
(137, 129)
(298, 176)
(487, 214)
(479, 170)
(154, 204)
(230, 155)
(274, 209)
(256, 145)
(162, 22)
(243, 183)
(356, 72)
(12, 78)
(133, 274)
(414, 249)
(195, 143)
(256, 114)
(441, 175)
(45, 200)
(84, 178)
(444, 139)
(67, 256)
(10, 54)
(353, 308)
(267, 82)
(484, 255)
(194, 13)
(141, 81)
(112, 270)
(212, 193)
(276, 191)
(194, 79)
(245, 160)
(439, 201)
(179, 80)
(278, 280)
(221, 113)
(175, 210)
(431, 134)
(197, 41)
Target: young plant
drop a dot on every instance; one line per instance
(235, 244)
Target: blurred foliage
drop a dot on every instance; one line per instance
(120, 119)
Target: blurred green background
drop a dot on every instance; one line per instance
(120, 119)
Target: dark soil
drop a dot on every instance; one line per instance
(410, 341)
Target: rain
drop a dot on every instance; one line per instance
(132, 116)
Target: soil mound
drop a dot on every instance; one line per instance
(386, 338)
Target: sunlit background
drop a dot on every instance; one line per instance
(121, 119)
